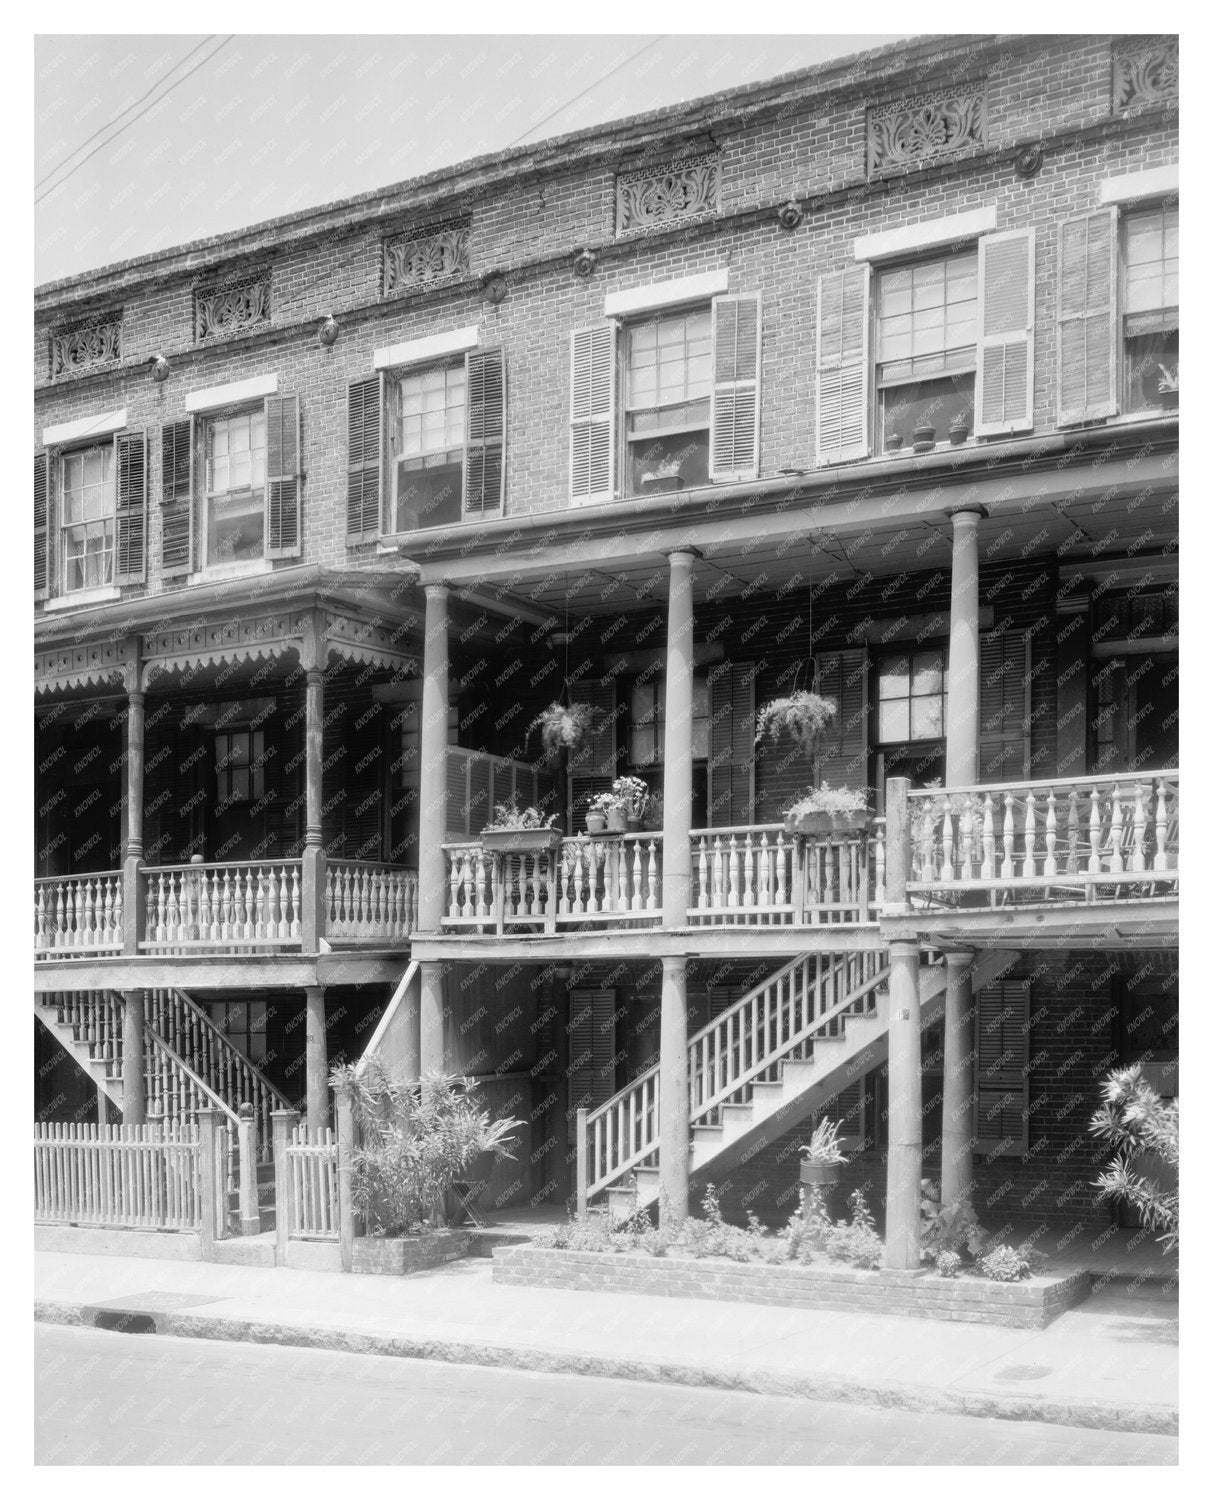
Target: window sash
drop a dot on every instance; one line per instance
(681, 363)
(248, 426)
(87, 512)
(407, 429)
(941, 312)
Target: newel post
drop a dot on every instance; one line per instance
(345, 1183)
(282, 1123)
(246, 1135)
(209, 1188)
(583, 1165)
(899, 846)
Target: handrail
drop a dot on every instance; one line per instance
(1107, 779)
(203, 1088)
(226, 864)
(245, 1062)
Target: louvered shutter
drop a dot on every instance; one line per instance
(737, 363)
(480, 797)
(130, 516)
(842, 364)
(1005, 749)
(1006, 295)
(42, 576)
(283, 528)
(843, 757)
(362, 461)
(484, 454)
(594, 766)
(457, 792)
(592, 413)
(591, 1050)
(1086, 318)
(1002, 1068)
(177, 498)
(847, 1110)
(731, 747)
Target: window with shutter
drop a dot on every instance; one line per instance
(427, 431)
(592, 413)
(926, 348)
(1005, 748)
(668, 393)
(591, 1050)
(362, 461)
(1001, 1075)
(1150, 309)
(1086, 318)
(41, 526)
(1006, 291)
(283, 517)
(731, 759)
(177, 498)
(237, 497)
(130, 530)
(842, 365)
(484, 455)
(737, 363)
(87, 498)
(842, 759)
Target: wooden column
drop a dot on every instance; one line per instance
(435, 694)
(211, 1187)
(313, 843)
(675, 1155)
(433, 1020)
(134, 1085)
(317, 1059)
(246, 1140)
(345, 1184)
(964, 656)
(956, 1175)
(679, 715)
(282, 1122)
(132, 914)
(899, 850)
(901, 1250)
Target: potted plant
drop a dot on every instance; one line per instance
(666, 478)
(959, 430)
(560, 727)
(822, 1160)
(605, 814)
(801, 716)
(829, 810)
(924, 438)
(520, 830)
(633, 797)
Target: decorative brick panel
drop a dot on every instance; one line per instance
(86, 345)
(932, 127)
(231, 307)
(1145, 71)
(413, 261)
(652, 199)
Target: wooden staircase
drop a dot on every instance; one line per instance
(778, 1055)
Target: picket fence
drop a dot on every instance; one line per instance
(118, 1176)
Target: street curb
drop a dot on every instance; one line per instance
(1103, 1416)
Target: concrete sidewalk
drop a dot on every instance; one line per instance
(1110, 1363)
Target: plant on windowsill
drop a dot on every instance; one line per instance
(520, 830)
(924, 438)
(829, 810)
(666, 477)
(562, 728)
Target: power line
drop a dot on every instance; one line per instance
(114, 120)
(570, 102)
(110, 140)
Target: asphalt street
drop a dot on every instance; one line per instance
(113, 1398)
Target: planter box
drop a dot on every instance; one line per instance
(521, 840)
(915, 1294)
(826, 825)
(375, 1255)
(666, 485)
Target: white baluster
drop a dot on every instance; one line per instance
(1096, 834)
(987, 838)
(1051, 835)
(1138, 860)
(653, 850)
(945, 865)
(734, 895)
(1160, 830)
(1117, 862)
(1008, 837)
(1072, 825)
(966, 838)
(1029, 837)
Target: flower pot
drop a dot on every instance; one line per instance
(664, 484)
(634, 825)
(893, 442)
(924, 439)
(521, 840)
(595, 822)
(958, 433)
(822, 1174)
(826, 825)
(616, 820)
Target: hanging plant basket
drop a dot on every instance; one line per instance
(564, 728)
(801, 717)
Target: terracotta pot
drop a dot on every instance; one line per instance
(822, 1174)
(616, 821)
(635, 824)
(595, 822)
(958, 433)
(924, 439)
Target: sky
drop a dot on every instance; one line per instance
(143, 141)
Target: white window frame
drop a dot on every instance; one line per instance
(393, 378)
(81, 452)
(656, 315)
(217, 565)
(1124, 215)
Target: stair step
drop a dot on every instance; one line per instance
(737, 1114)
(707, 1133)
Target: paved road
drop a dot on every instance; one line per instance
(113, 1398)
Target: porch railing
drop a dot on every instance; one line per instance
(78, 914)
(1086, 839)
(223, 907)
(763, 876)
(366, 902)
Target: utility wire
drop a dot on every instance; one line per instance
(126, 111)
(110, 139)
(570, 102)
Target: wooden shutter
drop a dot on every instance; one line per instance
(592, 413)
(1086, 318)
(842, 364)
(177, 498)
(595, 765)
(731, 746)
(484, 453)
(843, 757)
(591, 1050)
(1006, 296)
(130, 515)
(849, 1110)
(1002, 1068)
(737, 363)
(363, 451)
(283, 528)
(42, 506)
(1005, 749)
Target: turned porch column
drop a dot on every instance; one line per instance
(435, 696)
(313, 837)
(956, 1173)
(132, 864)
(964, 656)
(134, 1083)
(316, 1051)
(901, 1250)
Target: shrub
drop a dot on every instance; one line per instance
(1004, 1263)
(954, 1228)
(1136, 1122)
(948, 1263)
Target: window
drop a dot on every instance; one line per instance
(668, 402)
(646, 726)
(243, 1023)
(912, 691)
(235, 487)
(926, 347)
(87, 518)
(427, 423)
(239, 767)
(1150, 309)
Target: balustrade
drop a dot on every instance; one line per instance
(78, 914)
(223, 907)
(365, 902)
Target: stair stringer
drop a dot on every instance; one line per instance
(105, 1072)
(805, 1086)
